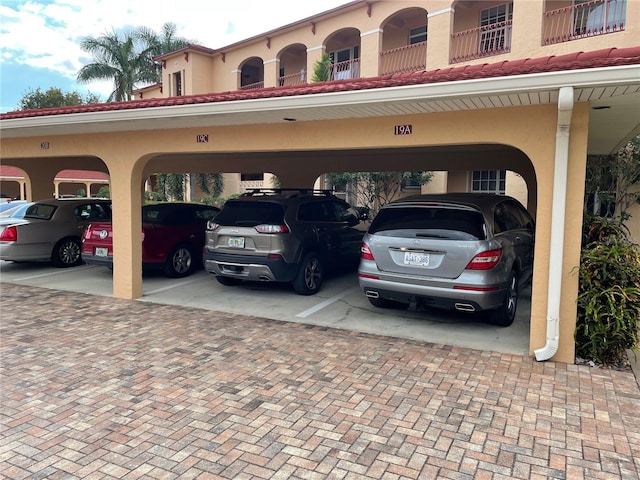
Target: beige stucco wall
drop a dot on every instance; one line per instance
(444, 17)
(372, 29)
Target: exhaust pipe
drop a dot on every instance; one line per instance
(372, 294)
(465, 307)
(264, 278)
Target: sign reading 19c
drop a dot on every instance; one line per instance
(403, 130)
(202, 138)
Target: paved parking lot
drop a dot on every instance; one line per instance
(340, 304)
(96, 387)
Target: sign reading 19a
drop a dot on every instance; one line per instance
(403, 130)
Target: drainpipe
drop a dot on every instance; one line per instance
(565, 109)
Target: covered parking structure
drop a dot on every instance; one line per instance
(538, 118)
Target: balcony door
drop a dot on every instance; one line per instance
(495, 29)
(345, 63)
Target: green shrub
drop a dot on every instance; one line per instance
(609, 293)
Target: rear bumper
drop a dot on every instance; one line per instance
(33, 252)
(248, 267)
(91, 259)
(445, 297)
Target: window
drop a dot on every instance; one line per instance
(496, 32)
(344, 63)
(177, 83)
(491, 181)
(252, 177)
(418, 35)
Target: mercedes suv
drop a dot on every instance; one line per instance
(462, 251)
(282, 235)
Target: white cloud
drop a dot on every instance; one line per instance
(46, 34)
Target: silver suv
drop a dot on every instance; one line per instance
(467, 252)
(282, 235)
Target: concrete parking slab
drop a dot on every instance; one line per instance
(339, 304)
(97, 387)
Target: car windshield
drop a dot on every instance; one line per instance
(41, 211)
(431, 222)
(250, 214)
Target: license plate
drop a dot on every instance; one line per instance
(415, 258)
(102, 252)
(236, 242)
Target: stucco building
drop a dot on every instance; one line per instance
(491, 95)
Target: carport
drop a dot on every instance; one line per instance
(537, 122)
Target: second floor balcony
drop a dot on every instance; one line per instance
(409, 58)
(484, 41)
(583, 19)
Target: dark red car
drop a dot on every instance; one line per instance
(172, 238)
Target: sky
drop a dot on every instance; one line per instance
(40, 39)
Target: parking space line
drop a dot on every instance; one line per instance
(56, 272)
(169, 287)
(326, 303)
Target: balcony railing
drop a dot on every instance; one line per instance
(346, 70)
(293, 79)
(483, 41)
(252, 86)
(582, 20)
(409, 58)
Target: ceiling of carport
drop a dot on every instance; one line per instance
(447, 157)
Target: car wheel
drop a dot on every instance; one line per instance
(228, 281)
(179, 262)
(505, 315)
(66, 253)
(310, 275)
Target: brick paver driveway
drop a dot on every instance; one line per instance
(95, 387)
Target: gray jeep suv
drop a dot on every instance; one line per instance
(282, 235)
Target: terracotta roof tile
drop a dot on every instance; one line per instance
(578, 60)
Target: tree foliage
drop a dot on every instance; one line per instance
(126, 58)
(116, 58)
(322, 69)
(608, 318)
(158, 44)
(54, 98)
(171, 186)
(374, 189)
(613, 181)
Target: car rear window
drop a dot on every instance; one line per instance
(42, 211)
(250, 214)
(430, 221)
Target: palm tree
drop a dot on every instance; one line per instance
(156, 44)
(117, 58)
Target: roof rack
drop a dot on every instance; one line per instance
(292, 191)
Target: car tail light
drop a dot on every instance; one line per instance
(485, 260)
(9, 234)
(365, 252)
(143, 235)
(272, 228)
(274, 256)
(211, 225)
(87, 233)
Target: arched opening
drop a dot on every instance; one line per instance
(80, 183)
(343, 48)
(252, 74)
(293, 65)
(404, 42)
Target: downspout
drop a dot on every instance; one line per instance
(556, 247)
